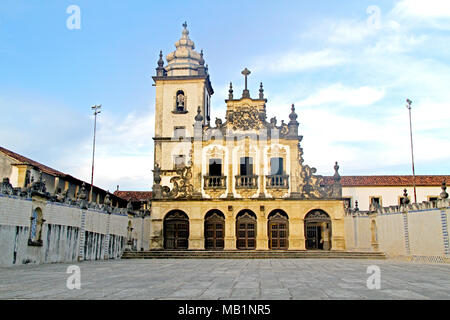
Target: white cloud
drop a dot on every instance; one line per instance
(423, 9)
(124, 153)
(367, 145)
(296, 61)
(349, 31)
(343, 95)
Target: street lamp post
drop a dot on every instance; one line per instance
(96, 111)
(408, 105)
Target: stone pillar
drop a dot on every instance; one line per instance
(230, 231)
(262, 240)
(325, 236)
(156, 234)
(296, 234)
(337, 234)
(229, 171)
(55, 190)
(196, 234)
(82, 235)
(107, 236)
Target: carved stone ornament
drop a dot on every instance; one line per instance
(313, 187)
(182, 187)
(246, 118)
(318, 216)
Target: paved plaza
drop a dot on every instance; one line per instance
(228, 279)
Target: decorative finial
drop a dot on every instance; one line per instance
(185, 25)
(202, 61)
(337, 176)
(160, 61)
(199, 116)
(261, 91)
(246, 93)
(293, 116)
(444, 194)
(405, 199)
(230, 92)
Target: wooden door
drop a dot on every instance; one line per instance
(215, 233)
(246, 232)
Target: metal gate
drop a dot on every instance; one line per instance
(318, 230)
(312, 236)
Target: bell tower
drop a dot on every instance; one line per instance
(182, 87)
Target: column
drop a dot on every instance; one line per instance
(262, 240)
(230, 231)
(337, 235)
(196, 234)
(296, 234)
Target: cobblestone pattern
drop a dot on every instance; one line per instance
(228, 279)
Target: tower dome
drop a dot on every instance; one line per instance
(185, 61)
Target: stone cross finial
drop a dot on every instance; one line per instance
(246, 93)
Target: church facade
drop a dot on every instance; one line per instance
(238, 183)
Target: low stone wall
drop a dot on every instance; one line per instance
(66, 232)
(416, 232)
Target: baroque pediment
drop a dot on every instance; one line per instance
(245, 118)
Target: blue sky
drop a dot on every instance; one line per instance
(348, 66)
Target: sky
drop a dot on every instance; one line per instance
(348, 66)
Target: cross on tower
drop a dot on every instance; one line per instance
(246, 93)
(185, 25)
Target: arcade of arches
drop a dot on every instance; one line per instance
(254, 228)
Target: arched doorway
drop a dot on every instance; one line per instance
(278, 230)
(214, 230)
(318, 230)
(176, 230)
(246, 230)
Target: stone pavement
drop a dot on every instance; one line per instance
(228, 279)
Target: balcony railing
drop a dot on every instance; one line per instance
(277, 182)
(246, 182)
(215, 182)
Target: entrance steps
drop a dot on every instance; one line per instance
(253, 254)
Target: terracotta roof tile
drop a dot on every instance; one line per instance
(386, 181)
(44, 168)
(26, 160)
(134, 195)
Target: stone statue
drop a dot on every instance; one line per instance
(180, 100)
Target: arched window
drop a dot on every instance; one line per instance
(180, 101)
(35, 238)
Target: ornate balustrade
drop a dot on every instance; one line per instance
(215, 182)
(277, 182)
(246, 182)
